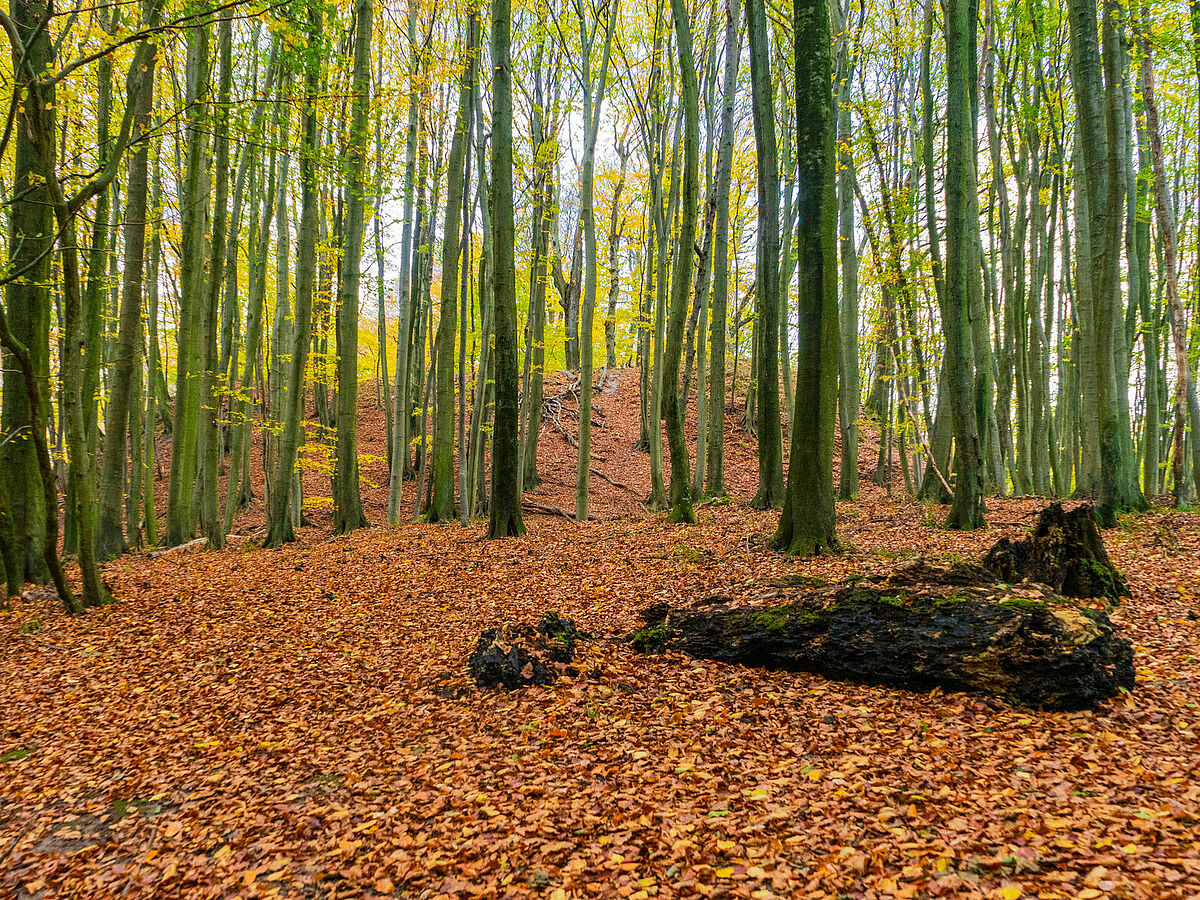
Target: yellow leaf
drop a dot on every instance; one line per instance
(726, 872)
(725, 845)
(558, 894)
(1009, 892)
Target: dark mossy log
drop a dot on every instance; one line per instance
(920, 627)
(513, 656)
(1064, 551)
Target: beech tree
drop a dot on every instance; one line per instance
(808, 524)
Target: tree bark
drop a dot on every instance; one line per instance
(770, 439)
(808, 524)
(504, 515)
(279, 522)
(110, 541)
(715, 475)
(348, 512)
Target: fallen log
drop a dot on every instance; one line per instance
(1064, 551)
(530, 506)
(921, 626)
(616, 484)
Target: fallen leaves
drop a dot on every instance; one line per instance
(299, 723)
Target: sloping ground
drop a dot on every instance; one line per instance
(298, 723)
(616, 412)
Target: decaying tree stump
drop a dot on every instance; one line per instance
(1064, 551)
(514, 656)
(921, 626)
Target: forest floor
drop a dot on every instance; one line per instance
(299, 723)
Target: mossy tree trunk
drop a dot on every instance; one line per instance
(967, 509)
(31, 238)
(919, 627)
(808, 524)
(181, 513)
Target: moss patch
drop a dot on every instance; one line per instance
(651, 639)
(1026, 604)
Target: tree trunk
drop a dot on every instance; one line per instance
(505, 518)
(808, 523)
(401, 407)
(279, 522)
(770, 440)
(442, 508)
(967, 509)
(347, 502)
(848, 386)
(31, 230)
(1185, 394)
(110, 541)
(680, 486)
(715, 476)
(208, 447)
(181, 513)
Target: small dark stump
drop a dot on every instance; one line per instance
(1063, 551)
(513, 656)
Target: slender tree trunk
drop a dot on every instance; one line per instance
(505, 518)
(1185, 394)
(593, 99)
(181, 513)
(401, 407)
(544, 151)
(259, 238)
(848, 386)
(442, 508)
(110, 541)
(770, 440)
(208, 444)
(967, 509)
(715, 477)
(934, 484)
(347, 502)
(680, 485)
(279, 522)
